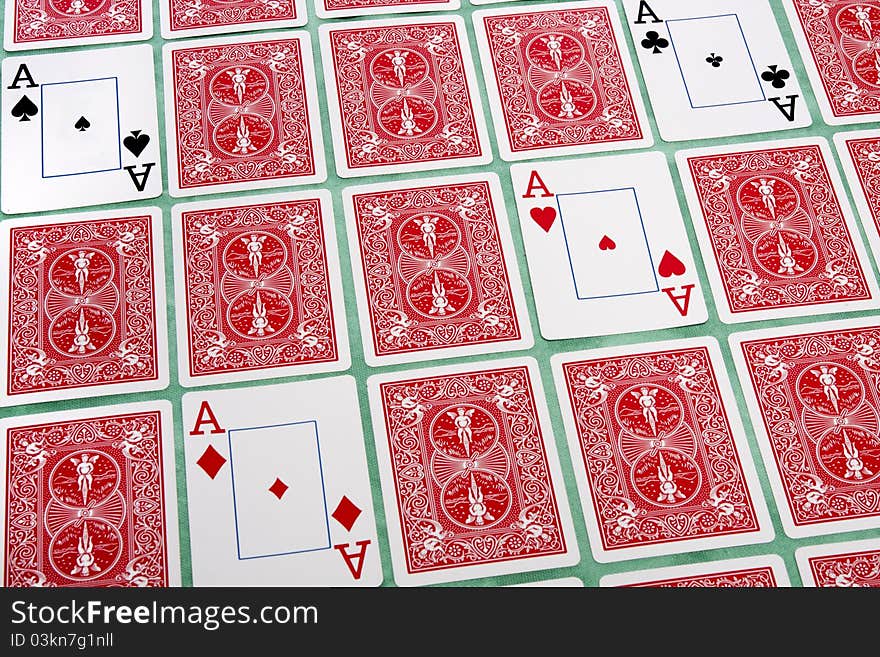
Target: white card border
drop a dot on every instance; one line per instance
(772, 561)
(571, 557)
(711, 266)
(311, 94)
(765, 532)
(763, 439)
(301, 19)
(43, 44)
(526, 340)
(816, 81)
(335, 114)
(494, 96)
(159, 304)
(334, 275)
(803, 555)
(357, 12)
(558, 583)
(169, 470)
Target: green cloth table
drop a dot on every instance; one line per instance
(588, 570)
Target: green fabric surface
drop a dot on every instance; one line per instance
(588, 570)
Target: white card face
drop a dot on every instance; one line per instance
(81, 129)
(840, 565)
(352, 8)
(606, 246)
(715, 68)
(278, 488)
(766, 570)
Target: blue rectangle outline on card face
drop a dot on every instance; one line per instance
(748, 50)
(314, 424)
(42, 132)
(635, 195)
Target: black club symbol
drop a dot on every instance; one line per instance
(714, 60)
(653, 41)
(775, 76)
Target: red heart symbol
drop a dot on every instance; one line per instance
(607, 244)
(670, 266)
(544, 217)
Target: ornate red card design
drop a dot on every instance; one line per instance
(82, 306)
(258, 290)
(814, 400)
(435, 273)
(748, 578)
(777, 230)
(202, 15)
(838, 42)
(469, 473)
(841, 565)
(658, 452)
(56, 23)
(860, 155)
(340, 8)
(86, 502)
(561, 80)
(404, 96)
(240, 114)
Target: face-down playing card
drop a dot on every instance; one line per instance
(90, 498)
(838, 43)
(278, 488)
(402, 95)
(241, 113)
(813, 394)
(182, 18)
(859, 153)
(436, 270)
(776, 230)
(344, 8)
(715, 68)
(79, 129)
(60, 23)
(559, 81)
(606, 246)
(840, 565)
(659, 450)
(470, 474)
(259, 292)
(766, 571)
(83, 306)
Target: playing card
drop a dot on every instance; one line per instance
(659, 451)
(182, 18)
(812, 394)
(838, 43)
(79, 129)
(470, 474)
(559, 83)
(776, 230)
(402, 96)
(277, 487)
(241, 113)
(715, 68)
(90, 498)
(561, 583)
(340, 8)
(60, 23)
(606, 246)
(82, 306)
(860, 155)
(851, 564)
(258, 289)
(435, 268)
(767, 571)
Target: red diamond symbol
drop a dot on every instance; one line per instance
(211, 461)
(346, 513)
(278, 488)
